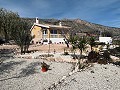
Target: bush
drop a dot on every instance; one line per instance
(45, 40)
(50, 42)
(66, 53)
(106, 55)
(102, 61)
(105, 58)
(117, 63)
(2, 41)
(93, 56)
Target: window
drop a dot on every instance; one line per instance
(53, 31)
(44, 31)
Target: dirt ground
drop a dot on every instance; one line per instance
(51, 47)
(43, 48)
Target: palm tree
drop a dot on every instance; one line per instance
(91, 42)
(82, 42)
(73, 42)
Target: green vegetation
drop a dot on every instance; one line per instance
(73, 42)
(7, 23)
(13, 27)
(116, 42)
(82, 42)
(91, 42)
(107, 34)
(22, 35)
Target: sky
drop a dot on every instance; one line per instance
(104, 12)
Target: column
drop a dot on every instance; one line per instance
(48, 33)
(44, 34)
(58, 35)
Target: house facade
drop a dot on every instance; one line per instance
(106, 40)
(45, 33)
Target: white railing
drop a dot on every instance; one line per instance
(56, 36)
(53, 36)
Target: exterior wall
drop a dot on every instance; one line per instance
(57, 40)
(106, 40)
(37, 31)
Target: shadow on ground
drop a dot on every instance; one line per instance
(30, 69)
(78, 56)
(27, 71)
(6, 54)
(9, 66)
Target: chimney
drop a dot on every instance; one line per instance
(37, 21)
(60, 24)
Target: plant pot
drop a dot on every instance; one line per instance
(44, 69)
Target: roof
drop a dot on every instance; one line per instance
(59, 27)
(50, 26)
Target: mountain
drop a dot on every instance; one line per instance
(78, 25)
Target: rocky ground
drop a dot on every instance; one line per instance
(99, 77)
(26, 74)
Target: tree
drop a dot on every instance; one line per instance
(78, 42)
(12, 27)
(107, 34)
(22, 35)
(7, 22)
(82, 42)
(91, 42)
(73, 42)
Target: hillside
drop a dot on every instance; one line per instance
(79, 25)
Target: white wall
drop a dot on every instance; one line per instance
(106, 40)
(56, 40)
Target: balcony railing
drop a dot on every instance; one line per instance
(53, 36)
(45, 36)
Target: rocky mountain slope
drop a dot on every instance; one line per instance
(79, 25)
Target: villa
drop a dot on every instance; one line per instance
(45, 33)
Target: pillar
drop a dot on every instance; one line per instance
(48, 33)
(58, 35)
(44, 34)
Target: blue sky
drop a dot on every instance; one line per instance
(105, 12)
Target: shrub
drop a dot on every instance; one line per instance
(93, 56)
(105, 58)
(45, 40)
(66, 53)
(2, 41)
(117, 63)
(102, 61)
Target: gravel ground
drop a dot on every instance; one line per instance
(99, 77)
(26, 74)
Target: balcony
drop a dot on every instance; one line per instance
(53, 36)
